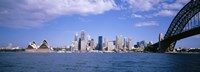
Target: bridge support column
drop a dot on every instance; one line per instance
(160, 44)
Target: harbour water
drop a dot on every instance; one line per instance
(98, 62)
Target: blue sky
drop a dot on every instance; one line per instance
(57, 21)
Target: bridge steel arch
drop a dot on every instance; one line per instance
(179, 22)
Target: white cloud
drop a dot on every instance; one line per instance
(176, 5)
(148, 23)
(172, 6)
(33, 13)
(143, 5)
(166, 13)
(182, 1)
(137, 16)
(148, 7)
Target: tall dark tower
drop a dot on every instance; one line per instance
(79, 44)
(100, 43)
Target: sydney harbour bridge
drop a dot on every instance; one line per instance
(185, 24)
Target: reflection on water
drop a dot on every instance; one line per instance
(99, 62)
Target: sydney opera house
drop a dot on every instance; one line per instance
(44, 47)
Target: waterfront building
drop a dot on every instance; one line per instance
(143, 44)
(75, 45)
(111, 46)
(88, 45)
(83, 45)
(138, 44)
(76, 37)
(79, 44)
(32, 45)
(9, 46)
(92, 44)
(125, 44)
(130, 44)
(105, 44)
(82, 35)
(82, 42)
(120, 42)
(100, 43)
(44, 47)
(117, 43)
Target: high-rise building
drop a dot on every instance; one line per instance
(83, 45)
(100, 43)
(143, 44)
(76, 37)
(105, 44)
(79, 44)
(125, 43)
(92, 44)
(88, 43)
(120, 42)
(130, 43)
(82, 35)
(75, 43)
(138, 44)
(88, 37)
(119, 45)
(111, 45)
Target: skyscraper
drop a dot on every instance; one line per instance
(119, 42)
(75, 43)
(111, 46)
(105, 44)
(88, 37)
(82, 35)
(76, 37)
(125, 43)
(82, 42)
(79, 44)
(92, 44)
(100, 43)
(83, 45)
(88, 43)
(143, 44)
(130, 43)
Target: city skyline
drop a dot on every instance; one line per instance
(25, 21)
